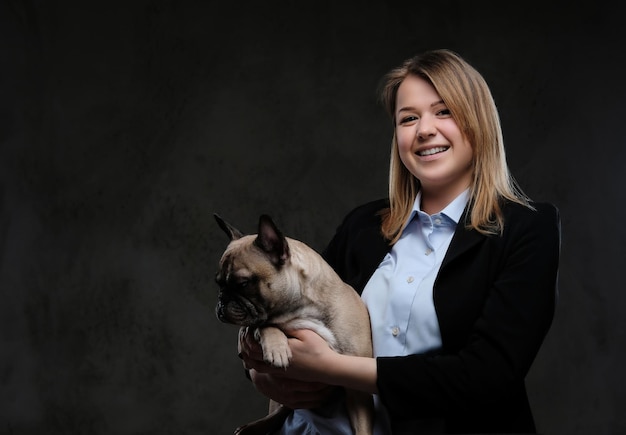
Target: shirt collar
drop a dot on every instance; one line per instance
(454, 210)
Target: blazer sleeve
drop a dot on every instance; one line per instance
(495, 303)
(358, 246)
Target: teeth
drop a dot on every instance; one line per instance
(432, 151)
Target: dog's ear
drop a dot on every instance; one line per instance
(271, 241)
(232, 232)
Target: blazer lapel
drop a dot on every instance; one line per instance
(463, 240)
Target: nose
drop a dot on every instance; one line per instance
(426, 128)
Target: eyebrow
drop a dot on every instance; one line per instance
(410, 108)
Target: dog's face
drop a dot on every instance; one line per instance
(255, 278)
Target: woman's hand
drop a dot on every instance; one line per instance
(290, 392)
(298, 386)
(312, 357)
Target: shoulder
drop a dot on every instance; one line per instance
(537, 212)
(541, 219)
(358, 245)
(364, 218)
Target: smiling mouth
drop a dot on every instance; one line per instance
(431, 151)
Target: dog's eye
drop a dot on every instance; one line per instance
(240, 283)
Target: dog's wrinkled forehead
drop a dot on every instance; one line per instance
(244, 259)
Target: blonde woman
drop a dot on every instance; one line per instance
(458, 269)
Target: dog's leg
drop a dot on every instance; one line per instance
(361, 411)
(275, 346)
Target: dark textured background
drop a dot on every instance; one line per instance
(125, 125)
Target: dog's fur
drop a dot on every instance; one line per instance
(270, 283)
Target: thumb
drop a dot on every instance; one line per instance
(299, 334)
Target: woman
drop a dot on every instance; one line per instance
(458, 269)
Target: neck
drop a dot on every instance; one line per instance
(433, 200)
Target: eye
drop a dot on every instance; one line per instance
(241, 283)
(408, 119)
(444, 112)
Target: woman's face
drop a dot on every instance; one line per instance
(430, 143)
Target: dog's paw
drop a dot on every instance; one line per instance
(275, 346)
(278, 356)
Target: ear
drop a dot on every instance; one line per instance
(232, 232)
(271, 241)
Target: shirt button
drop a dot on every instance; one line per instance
(438, 221)
(395, 331)
(428, 251)
(410, 279)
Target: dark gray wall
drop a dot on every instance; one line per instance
(125, 125)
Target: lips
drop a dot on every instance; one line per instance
(230, 310)
(239, 311)
(432, 151)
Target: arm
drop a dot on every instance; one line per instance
(313, 362)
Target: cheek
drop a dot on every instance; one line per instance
(467, 151)
(405, 140)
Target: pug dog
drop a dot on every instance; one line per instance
(269, 283)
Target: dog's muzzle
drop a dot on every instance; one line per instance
(238, 311)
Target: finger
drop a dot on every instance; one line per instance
(251, 343)
(241, 338)
(257, 363)
(299, 334)
(253, 353)
(248, 347)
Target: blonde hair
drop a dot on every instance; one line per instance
(467, 96)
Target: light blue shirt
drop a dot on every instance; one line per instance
(399, 297)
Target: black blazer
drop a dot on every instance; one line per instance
(494, 297)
